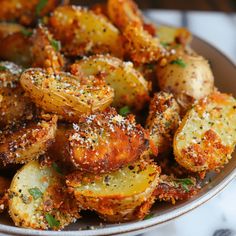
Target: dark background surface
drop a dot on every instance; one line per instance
(202, 5)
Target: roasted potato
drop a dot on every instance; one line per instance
(206, 136)
(173, 189)
(162, 121)
(26, 143)
(140, 45)
(4, 185)
(124, 195)
(14, 105)
(26, 12)
(104, 142)
(8, 28)
(45, 50)
(66, 95)
(82, 32)
(187, 75)
(130, 88)
(38, 198)
(123, 12)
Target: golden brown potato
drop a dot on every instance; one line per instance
(173, 189)
(140, 45)
(66, 95)
(162, 121)
(123, 12)
(82, 32)
(28, 142)
(4, 185)
(104, 142)
(38, 198)
(187, 75)
(8, 28)
(45, 50)
(130, 88)
(14, 106)
(123, 195)
(25, 11)
(206, 137)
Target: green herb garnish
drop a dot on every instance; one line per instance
(35, 193)
(56, 44)
(178, 62)
(124, 111)
(41, 4)
(149, 216)
(185, 183)
(52, 221)
(164, 44)
(3, 68)
(26, 32)
(56, 168)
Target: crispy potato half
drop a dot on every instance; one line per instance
(27, 142)
(38, 198)
(45, 50)
(26, 12)
(187, 75)
(83, 32)
(4, 185)
(14, 105)
(123, 195)
(130, 87)
(206, 136)
(162, 121)
(66, 95)
(104, 142)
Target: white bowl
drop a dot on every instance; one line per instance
(225, 77)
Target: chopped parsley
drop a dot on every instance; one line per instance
(52, 222)
(179, 62)
(56, 168)
(185, 183)
(35, 193)
(3, 68)
(164, 44)
(26, 32)
(124, 111)
(41, 4)
(56, 44)
(149, 216)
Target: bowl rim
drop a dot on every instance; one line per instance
(140, 225)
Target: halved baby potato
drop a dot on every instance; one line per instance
(4, 185)
(83, 32)
(66, 95)
(106, 141)
(124, 195)
(38, 198)
(130, 87)
(14, 105)
(206, 136)
(28, 142)
(162, 122)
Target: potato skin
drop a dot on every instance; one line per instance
(44, 54)
(14, 105)
(188, 76)
(97, 35)
(123, 195)
(162, 121)
(4, 185)
(29, 210)
(104, 142)
(206, 138)
(27, 142)
(130, 87)
(66, 95)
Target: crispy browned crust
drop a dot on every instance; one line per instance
(4, 185)
(27, 142)
(44, 54)
(24, 11)
(106, 141)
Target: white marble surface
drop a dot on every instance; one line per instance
(218, 216)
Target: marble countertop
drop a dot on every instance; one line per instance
(218, 216)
